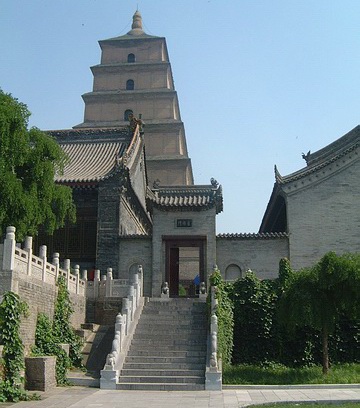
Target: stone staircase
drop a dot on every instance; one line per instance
(97, 343)
(168, 350)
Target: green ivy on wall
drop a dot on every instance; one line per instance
(11, 310)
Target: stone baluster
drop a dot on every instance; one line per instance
(43, 257)
(77, 276)
(119, 328)
(109, 282)
(132, 301)
(56, 263)
(84, 275)
(141, 279)
(68, 274)
(136, 289)
(214, 330)
(125, 314)
(9, 249)
(28, 248)
(96, 283)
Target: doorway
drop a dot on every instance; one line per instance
(185, 266)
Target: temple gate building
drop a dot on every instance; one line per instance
(137, 203)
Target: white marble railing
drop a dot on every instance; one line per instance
(106, 286)
(125, 325)
(213, 373)
(23, 262)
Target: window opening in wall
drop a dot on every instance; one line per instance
(130, 84)
(232, 273)
(131, 58)
(127, 113)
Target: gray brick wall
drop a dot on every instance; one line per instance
(325, 216)
(40, 297)
(133, 252)
(262, 256)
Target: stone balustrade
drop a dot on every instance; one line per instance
(125, 325)
(105, 286)
(22, 261)
(213, 373)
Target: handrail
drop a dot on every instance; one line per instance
(213, 373)
(125, 324)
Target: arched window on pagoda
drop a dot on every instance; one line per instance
(131, 58)
(130, 85)
(127, 113)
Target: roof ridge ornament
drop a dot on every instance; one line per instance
(136, 27)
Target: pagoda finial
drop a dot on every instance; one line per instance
(136, 27)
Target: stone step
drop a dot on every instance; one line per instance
(153, 372)
(170, 341)
(162, 379)
(160, 387)
(164, 366)
(150, 332)
(167, 353)
(156, 348)
(160, 359)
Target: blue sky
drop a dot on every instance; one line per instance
(259, 81)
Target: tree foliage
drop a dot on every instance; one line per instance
(63, 332)
(29, 160)
(319, 296)
(224, 313)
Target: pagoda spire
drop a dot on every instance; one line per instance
(136, 27)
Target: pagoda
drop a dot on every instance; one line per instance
(135, 77)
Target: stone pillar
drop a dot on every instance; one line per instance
(96, 283)
(132, 301)
(9, 249)
(109, 282)
(125, 314)
(77, 276)
(43, 257)
(141, 279)
(56, 263)
(28, 248)
(119, 328)
(67, 269)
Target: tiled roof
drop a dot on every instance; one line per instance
(323, 157)
(92, 152)
(264, 235)
(90, 161)
(190, 197)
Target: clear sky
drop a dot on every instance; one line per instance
(259, 81)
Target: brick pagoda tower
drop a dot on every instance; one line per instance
(135, 76)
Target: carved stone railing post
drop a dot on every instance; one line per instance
(9, 249)
(96, 283)
(213, 374)
(67, 269)
(119, 328)
(141, 279)
(109, 281)
(125, 314)
(132, 301)
(56, 263)
(136, 289)
(28, 247)
(77, 276)
(84, 275)
(43, 257)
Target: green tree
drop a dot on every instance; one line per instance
(29, 160)
(319, 296)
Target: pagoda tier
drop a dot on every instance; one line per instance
(135, 76)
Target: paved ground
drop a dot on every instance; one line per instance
(82, 397)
